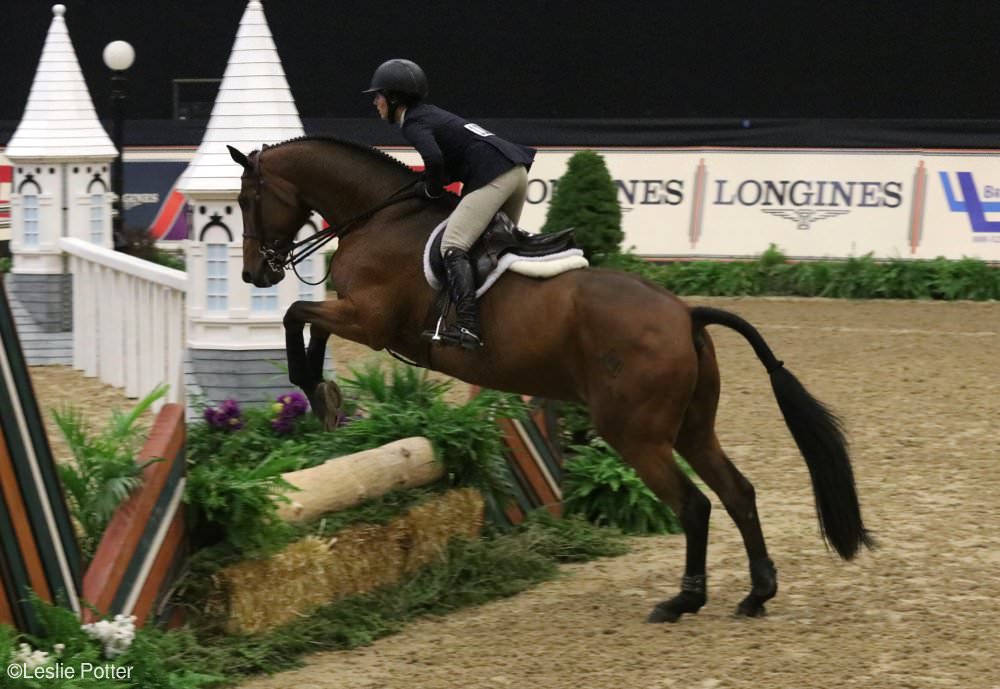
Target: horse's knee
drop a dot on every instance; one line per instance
(294, 317)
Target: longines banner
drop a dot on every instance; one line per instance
(733, 203)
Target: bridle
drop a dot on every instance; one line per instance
(278, 259)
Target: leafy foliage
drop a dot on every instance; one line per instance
(406, 402)
(155, 660)
(6, 263)
(104, 470)
(586, 199)
(139, 242)
(234, 478)
(607, 492)
(235, 499)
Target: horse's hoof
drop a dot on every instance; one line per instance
(316, 402)
(671, 610)
(663, 613)
(332, 395)
(332, 400)
(750, 608)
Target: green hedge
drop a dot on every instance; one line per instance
(861, 277)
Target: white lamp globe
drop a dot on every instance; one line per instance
(119, 55)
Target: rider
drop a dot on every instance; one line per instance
(493, 172)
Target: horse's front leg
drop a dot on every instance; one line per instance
(305, 366)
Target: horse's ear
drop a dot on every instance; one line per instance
(239, 157)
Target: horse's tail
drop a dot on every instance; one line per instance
(819, 435)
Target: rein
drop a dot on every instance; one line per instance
(299, 251)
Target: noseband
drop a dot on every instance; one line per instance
(296, 252)
(273, 257)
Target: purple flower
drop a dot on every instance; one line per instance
(283, 425)
(287, 408)
(294, 403)
(226, 416)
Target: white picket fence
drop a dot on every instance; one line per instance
(128, 319)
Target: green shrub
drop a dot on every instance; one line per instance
(605, 491)
(6, 263)
(234, 499)
(104, 469)
(586, 199)
(859, 277)
(466, 437)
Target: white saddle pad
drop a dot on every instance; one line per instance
(531, 266)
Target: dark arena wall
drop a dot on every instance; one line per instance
(721, 67)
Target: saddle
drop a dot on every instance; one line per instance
(504, 245)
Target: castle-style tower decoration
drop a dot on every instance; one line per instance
(236, 343)
(61, 187)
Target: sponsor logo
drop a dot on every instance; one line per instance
(631, 192)
(803, 217)
(133, 200)
(972, 204)
(807, 201)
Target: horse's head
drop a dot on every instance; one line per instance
(273, 212)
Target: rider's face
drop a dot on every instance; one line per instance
(382, 105)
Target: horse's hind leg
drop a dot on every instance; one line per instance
(640, 414)
(698, 444)
(737, 495)
(643, 438)
(656, 466)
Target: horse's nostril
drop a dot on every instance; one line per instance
(246, 276)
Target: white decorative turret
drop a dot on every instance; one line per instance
(61, 158)
(235, 330)
(254, 106)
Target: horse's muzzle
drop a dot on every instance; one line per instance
(266, 277)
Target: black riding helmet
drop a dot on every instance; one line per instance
(402, 82)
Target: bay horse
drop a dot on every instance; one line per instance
(638, 357)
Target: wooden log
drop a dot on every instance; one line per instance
(345, 481)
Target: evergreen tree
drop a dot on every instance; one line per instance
(586, 198)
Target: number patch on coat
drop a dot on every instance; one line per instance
(476, 129)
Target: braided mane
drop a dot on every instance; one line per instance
(354, 145)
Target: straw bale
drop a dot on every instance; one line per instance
(256, 605)
(430, 525)
(261, 595)
(363, 558)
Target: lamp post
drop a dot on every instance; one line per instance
(118, 56)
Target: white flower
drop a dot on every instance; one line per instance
(116, 635)
(30, 658)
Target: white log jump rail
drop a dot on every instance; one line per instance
(128, 319)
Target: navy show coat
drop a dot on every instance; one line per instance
(455, 150)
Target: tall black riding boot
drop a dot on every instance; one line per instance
(462, 287)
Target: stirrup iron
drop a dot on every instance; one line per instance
(436, 336)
